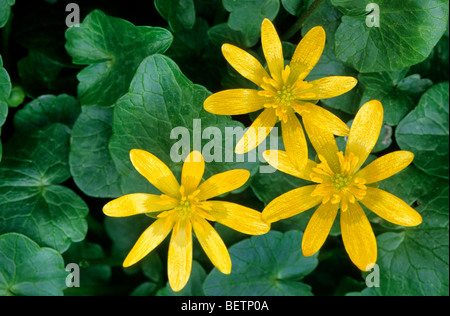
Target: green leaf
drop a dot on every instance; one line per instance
(271, 185)
(124, 232)
(413, 185)
(153, 268)
(384, 88)
(47, 110)
(42, 75)
(16, 97)
(89, 257)
(246, 17)
(179, 13)
(31, 200)
(5, 91)
(271, 264)
(295, 7)
(5, 11)
(222, 33)
(191, 48)
(416, 262)
(327, 16)
(425, 131)
(384, 140)
(162, 101)
(29, 270)
(145, 289)
(328, 65)
(414, 85)
(407, 32)
(113, 48)
(91, 164)
(438, 59)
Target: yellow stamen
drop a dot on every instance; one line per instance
(338, 187)
(285, 73)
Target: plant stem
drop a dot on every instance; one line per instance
(301, 20)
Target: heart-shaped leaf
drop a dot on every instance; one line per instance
(113, 48)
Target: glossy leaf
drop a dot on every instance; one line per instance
(179, 13)
(113, 49)
(158, 113)
(415, 262)
(31, 200)
(271, 264)
(406, 34)
(5, 11)
(29, 270)
(425, 131)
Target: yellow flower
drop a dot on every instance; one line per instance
(283, 93)
(182, 208)
(340, 182)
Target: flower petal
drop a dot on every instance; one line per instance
(138, 203)
(235, 102)
(365, 131)
(155, 171)
(238, 217)
(290, 204)
(307, 54)
(324, 143)
(222, 183)
(179, 263)
(294, 140)
(272, 48)
(245, 64)
(212, 244)
(321, 118)
(257, 132)
(318, 228)
(386, 166)
(391, 208)
(149, 240)
(358, 236)
(192, 173)
(328, 87)
(280, 161)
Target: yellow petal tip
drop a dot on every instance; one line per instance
(266, 20)
(308, 252)
(318, 29)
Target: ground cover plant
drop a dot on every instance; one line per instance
(126, 167)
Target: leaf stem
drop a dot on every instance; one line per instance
(301, 20)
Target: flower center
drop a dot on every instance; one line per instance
(285, 96)
(341, 181)
(280, 92)
(187, 203)
(338, 187)
(185, 208)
